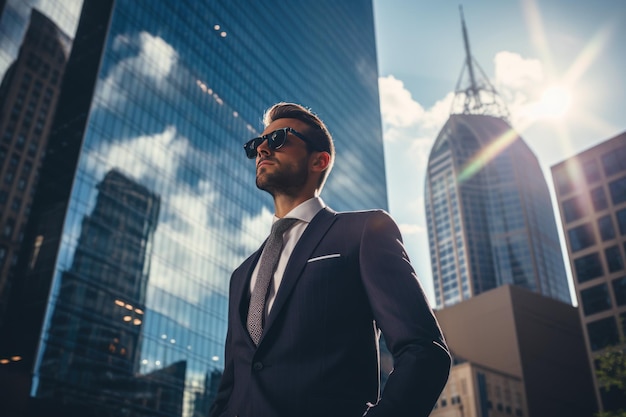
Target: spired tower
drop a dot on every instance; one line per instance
(488, 210)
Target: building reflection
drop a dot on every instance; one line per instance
(94, 343)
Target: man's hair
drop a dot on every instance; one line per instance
(317, 131)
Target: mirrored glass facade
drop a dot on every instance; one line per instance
(146, 201)
(489, 213)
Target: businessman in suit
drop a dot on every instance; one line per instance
(306, 310)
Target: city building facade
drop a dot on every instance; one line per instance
(489, 213)
(516, 353)
(476, 391)
(28, 95)
(488, 208)
(146, 201)
(591, 193)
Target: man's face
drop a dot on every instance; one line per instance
(284, 170)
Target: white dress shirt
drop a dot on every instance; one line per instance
(304, 213)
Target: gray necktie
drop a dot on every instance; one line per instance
(267, 266)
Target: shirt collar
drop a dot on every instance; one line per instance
(305, 211)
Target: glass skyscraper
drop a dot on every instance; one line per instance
(145, 200)
(488, 210)
(489, 214)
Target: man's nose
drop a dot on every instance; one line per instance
(263, 149)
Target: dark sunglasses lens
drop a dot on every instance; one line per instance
(250, 147)
(276, 139)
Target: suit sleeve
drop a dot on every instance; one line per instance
(400, 308)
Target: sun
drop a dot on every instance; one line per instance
(555, 102)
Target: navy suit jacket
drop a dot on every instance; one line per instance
(347, 279)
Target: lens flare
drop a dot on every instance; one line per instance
(489, 152)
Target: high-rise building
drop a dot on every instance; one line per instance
(591, 193)
(488, 209)
(147, 202)
(28, 95)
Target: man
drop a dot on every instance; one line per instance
(305, 310)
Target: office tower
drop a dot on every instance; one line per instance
(158, 99)
(28, 95)
(591, 193)
(488, 209)
(517, 353)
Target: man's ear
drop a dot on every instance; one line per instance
(320, 161)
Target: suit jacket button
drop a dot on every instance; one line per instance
(257, 366)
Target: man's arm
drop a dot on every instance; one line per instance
(421, 357)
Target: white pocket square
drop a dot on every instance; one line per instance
(319, 258)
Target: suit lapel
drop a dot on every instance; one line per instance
(311, 237)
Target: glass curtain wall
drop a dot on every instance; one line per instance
(148, 202)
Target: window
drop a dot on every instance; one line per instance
(614, 259)
(617, 189)
(16, 204)
(563, 182)
(574, 209)
(598, 198)
(588, 267)
(595, 299)
(592, 171)
(614, 161)
(581, 237)
(7, 230)
(619, 290)
(621, 221)
(605, 226)
(602, 333)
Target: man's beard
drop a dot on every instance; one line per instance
(285, 180)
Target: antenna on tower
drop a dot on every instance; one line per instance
(480, 96)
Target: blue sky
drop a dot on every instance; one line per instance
(525, 48)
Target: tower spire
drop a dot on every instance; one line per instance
(468, 54)
(476, 95)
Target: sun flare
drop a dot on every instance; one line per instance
(555, 102)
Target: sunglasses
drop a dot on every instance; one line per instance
(275, 140)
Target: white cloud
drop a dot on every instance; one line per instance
(155, 59)
(512, 70)
(396, 103)
(160, 154)
(406, 119)
(154, 62)
(411, 228)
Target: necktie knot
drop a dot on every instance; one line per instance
(280, 226)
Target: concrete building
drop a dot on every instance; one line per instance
(28, 97)
(591, 192)
(475, 391)
(517, 353)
